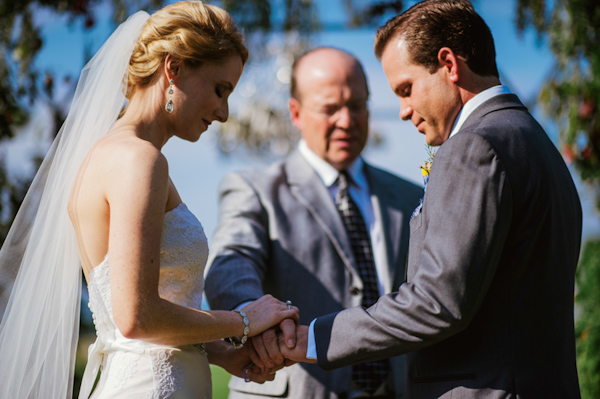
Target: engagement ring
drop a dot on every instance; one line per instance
(289, 303)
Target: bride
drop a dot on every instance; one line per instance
(103, 200)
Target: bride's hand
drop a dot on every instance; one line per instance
(267, 312)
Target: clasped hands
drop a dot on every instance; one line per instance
(277, 347)
(275, 340)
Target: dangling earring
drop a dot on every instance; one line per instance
(169, 107)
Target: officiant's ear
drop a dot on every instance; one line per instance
(450, 62)
(295, 111)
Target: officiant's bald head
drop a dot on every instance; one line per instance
(328, 104)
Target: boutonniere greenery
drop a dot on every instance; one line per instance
(426, 167)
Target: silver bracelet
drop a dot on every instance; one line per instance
(240, 344)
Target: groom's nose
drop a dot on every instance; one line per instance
(405, 110)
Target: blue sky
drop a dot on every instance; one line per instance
(197, 168)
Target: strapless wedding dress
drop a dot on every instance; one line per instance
(136, 369)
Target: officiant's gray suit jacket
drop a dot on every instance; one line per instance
(487, 310)
(279, 232)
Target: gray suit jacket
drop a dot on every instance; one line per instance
(487, 310)
(280, 233)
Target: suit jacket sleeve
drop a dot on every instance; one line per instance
(239, 247)
(466, 216)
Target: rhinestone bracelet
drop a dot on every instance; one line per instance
(240, 344)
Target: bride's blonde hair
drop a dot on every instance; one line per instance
(189, 30)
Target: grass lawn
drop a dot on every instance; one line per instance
(220, 379)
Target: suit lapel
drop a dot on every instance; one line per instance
(308, 188)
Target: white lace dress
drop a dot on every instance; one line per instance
(136, 369)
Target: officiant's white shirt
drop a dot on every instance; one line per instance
(361, 195)
(465, 112)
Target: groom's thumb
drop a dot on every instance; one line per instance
(288, 328)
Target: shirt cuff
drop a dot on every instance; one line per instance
(242, 305)
(311, 346)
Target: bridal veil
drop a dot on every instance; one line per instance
(40, 273)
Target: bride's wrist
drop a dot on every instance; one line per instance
(236, 342)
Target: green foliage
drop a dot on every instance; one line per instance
(20, 42)
(572, 96)
(587, 327)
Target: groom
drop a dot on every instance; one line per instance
(487, 309)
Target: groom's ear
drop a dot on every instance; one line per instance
(450, 62)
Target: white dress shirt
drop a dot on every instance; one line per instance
(475, 102)
(360, 193)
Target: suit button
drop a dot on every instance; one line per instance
(355, 291)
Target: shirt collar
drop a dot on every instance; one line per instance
(328, 173)
(475, 102)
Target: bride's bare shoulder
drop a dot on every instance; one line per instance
(123, 149)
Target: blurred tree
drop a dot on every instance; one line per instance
(572, 99)
(21, 83)
(572, 96)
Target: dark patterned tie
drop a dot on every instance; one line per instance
(368, 376)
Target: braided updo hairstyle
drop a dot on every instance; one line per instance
(191, 31)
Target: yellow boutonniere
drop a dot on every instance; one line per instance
(426, 167)
(425, 170)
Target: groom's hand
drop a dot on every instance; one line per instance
(267, 353)
(298, 352)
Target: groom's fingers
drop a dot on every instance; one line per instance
(288, 328)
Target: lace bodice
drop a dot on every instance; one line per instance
(183, 255)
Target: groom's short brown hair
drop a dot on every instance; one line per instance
(432, 24)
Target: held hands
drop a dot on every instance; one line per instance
(281, 345)
(265, 352)
(267, 312)
(273, 349)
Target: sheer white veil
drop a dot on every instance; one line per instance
(40, 273)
